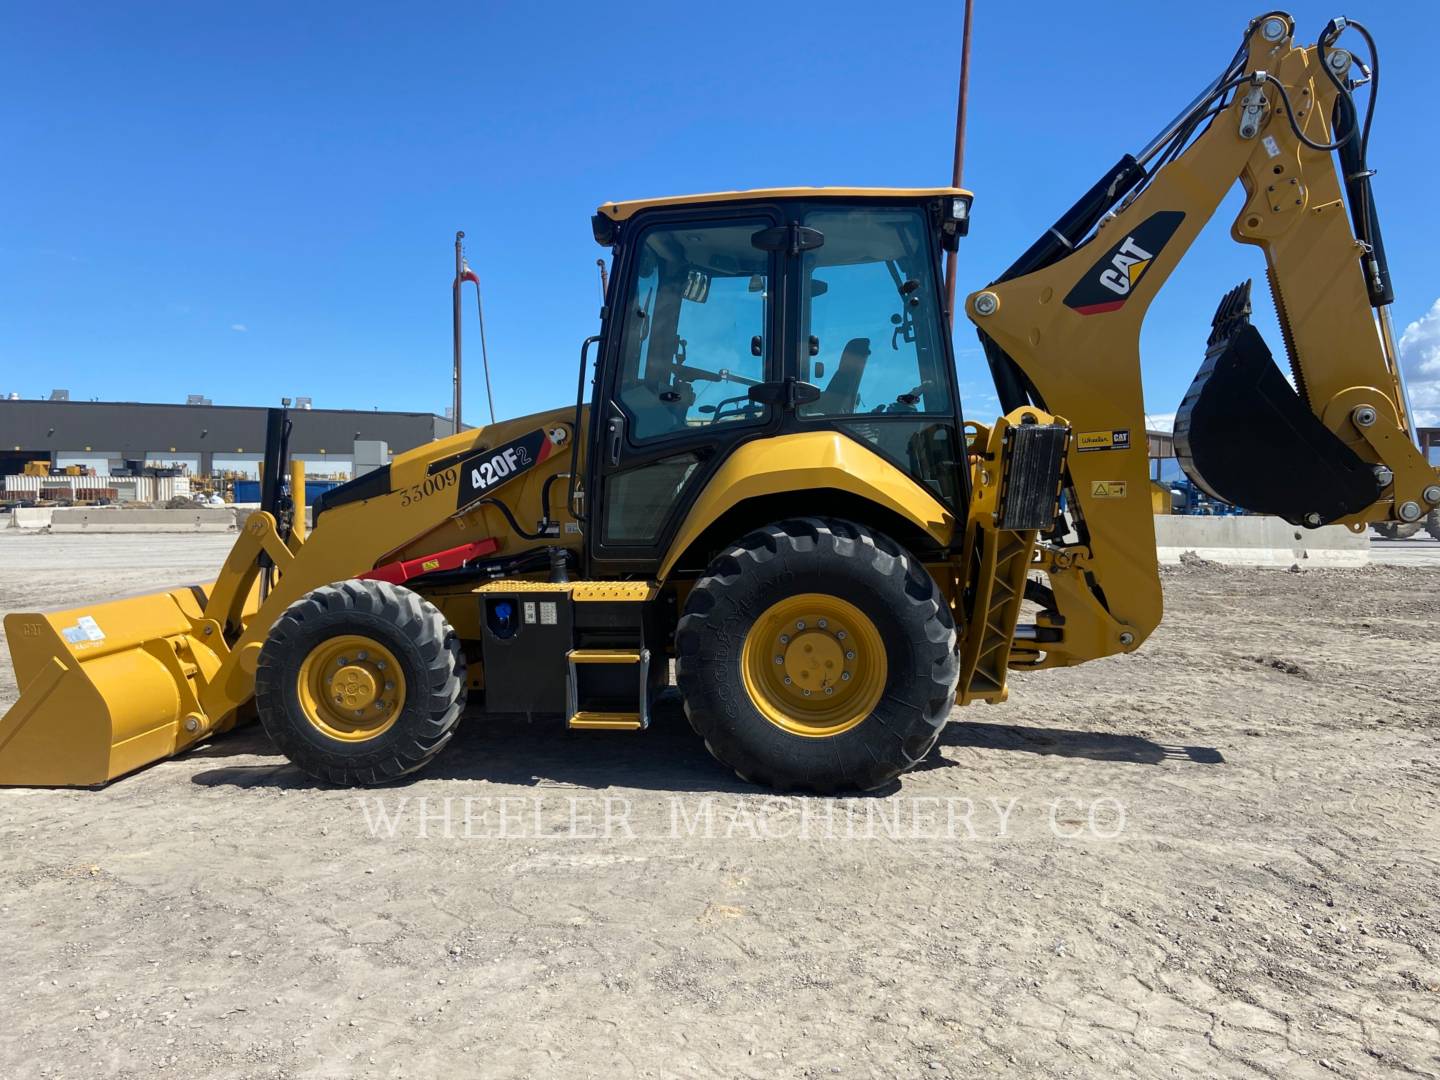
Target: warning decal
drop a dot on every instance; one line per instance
(1107, 489)
(85, 631)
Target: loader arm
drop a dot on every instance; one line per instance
(1061, 330)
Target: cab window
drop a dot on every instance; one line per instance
(871, 308)
(694, 341)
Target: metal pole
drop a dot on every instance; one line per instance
(459, 261)
(956, 172)
(604, 285)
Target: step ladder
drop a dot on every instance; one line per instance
(585, 719)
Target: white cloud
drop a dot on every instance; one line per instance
(1160, 421)
(239, 327)
(1420, 360)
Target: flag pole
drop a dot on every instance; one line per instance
(959, 164)
(455, 374)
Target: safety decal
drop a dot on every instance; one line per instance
(1108, 284)
(1114, 439)
(1107, 489)
(481, 473)
(83, 632)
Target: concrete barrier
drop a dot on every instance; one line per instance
(31, 517)
(113, 520)
(1258, 541)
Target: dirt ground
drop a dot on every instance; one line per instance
(1217, 857)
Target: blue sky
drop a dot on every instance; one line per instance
(250, 201)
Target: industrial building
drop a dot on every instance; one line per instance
(206, 439)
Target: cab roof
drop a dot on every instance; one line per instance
(622, 211)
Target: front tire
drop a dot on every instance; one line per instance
(817, 654)
(1432, 524)
(360, 682)
(1398, 530)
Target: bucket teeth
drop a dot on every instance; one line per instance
(1233, 312)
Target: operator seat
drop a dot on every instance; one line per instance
(842, 393)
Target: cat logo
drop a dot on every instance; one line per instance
(1126, 267)
(1108, 283)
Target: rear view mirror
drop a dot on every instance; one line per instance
(818, 287)
(819, 369)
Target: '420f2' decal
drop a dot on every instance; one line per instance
(1107, 285)
(486, 470)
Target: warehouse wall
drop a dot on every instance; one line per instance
(137, 430)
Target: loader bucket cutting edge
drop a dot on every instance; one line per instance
(104, 689)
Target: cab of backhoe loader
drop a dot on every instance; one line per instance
(776, 316)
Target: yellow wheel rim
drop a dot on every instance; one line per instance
(351, 688)
(814, 665)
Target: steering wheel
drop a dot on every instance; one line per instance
(718, 411)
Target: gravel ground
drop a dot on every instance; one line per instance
(1217, 857)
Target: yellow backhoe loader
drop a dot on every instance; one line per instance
(773, 484)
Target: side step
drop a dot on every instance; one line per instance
(606, 720)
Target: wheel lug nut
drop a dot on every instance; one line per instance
(840, 634)
(339, 700)
(850, 655)
(805, 692)
(361, 655)
(380, 664)
(779, 660)
(822, 624)
(343, 661)
(829, 689)
(389, 686)
(800, 625)
(844, 676)
(784, 639)
(787, 680)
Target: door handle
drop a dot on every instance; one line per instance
(615, 437)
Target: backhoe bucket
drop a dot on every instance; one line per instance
(1245, 436)
(104, 689)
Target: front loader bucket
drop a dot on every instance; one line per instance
(1245, 436)
(104, 689)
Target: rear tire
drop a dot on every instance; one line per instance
(752, 718)
(369, 644)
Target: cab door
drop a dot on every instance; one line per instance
(696, 321)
